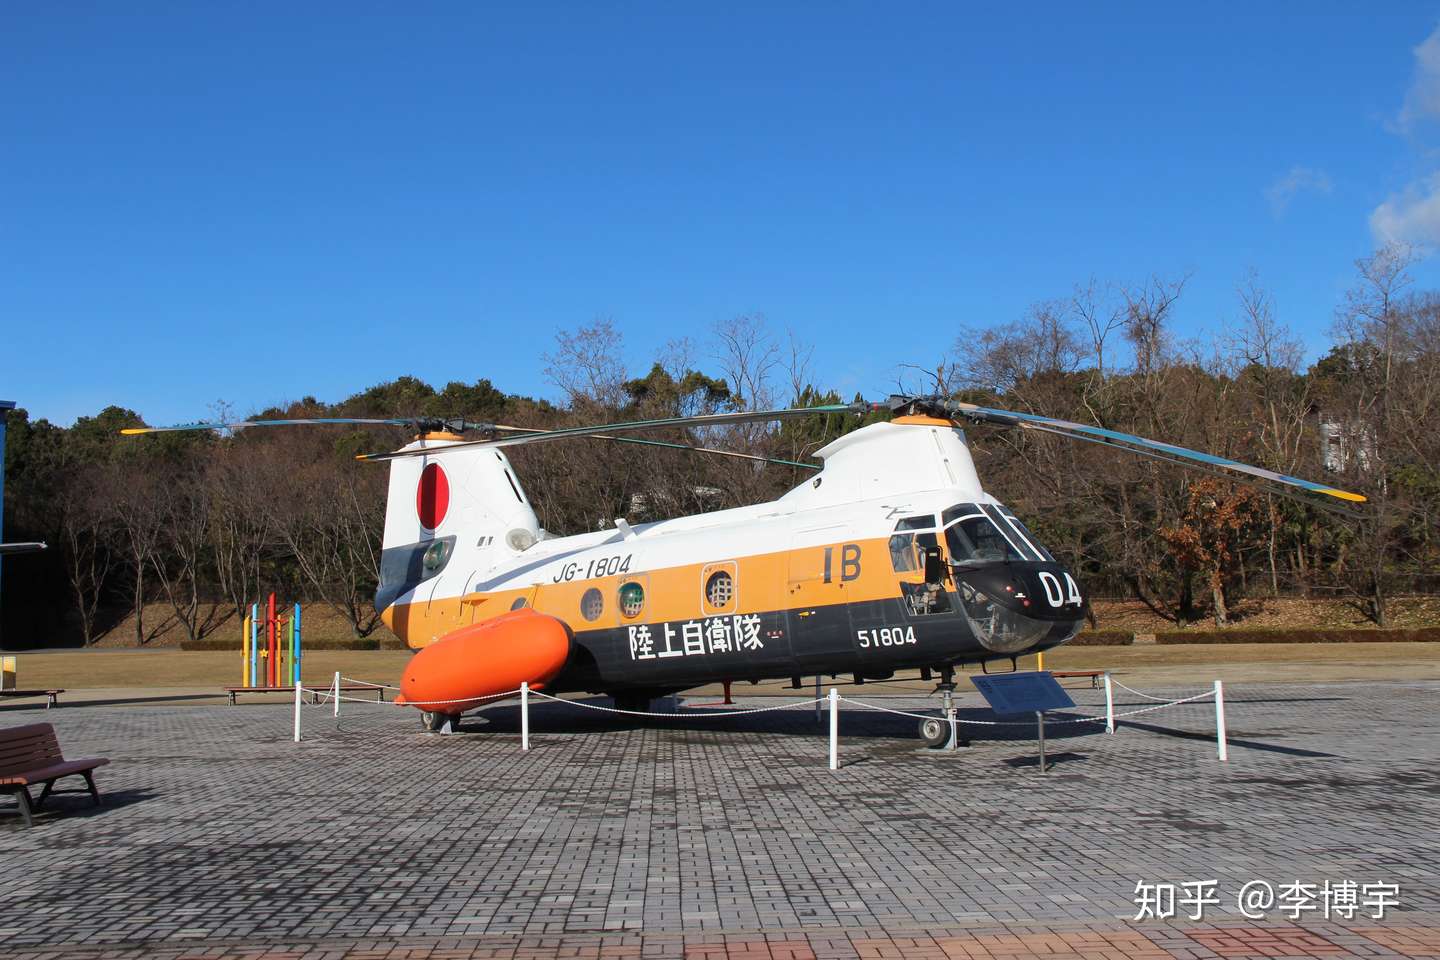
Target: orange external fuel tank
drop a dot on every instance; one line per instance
(465, 667)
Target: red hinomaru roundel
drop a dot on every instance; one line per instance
(432, 496)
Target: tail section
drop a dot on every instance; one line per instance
(450, 515)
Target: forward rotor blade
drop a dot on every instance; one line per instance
(1133, 444)
(6, 549)
(712, 419)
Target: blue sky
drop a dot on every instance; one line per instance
(248, 203)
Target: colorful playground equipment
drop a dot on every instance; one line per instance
(262, 660)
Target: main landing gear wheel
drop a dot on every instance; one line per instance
(435, 721)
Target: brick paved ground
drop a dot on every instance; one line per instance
(723, 837)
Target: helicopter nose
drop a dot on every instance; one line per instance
(466, 668)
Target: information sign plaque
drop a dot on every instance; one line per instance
(1012, 694)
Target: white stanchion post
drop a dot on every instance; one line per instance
(834, 729)
(1221, 746)
(1109, 706)
(337, 693)
(298, 690)
(524, 715)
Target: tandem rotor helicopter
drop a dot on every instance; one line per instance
(891, 557)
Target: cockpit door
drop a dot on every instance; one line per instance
(918, 561)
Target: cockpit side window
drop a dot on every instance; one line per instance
(909, 541)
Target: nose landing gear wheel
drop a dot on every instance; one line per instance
(935, 731)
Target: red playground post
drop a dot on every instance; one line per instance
(272, 644)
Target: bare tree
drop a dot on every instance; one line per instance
(329, 514)
(1270, 368)
(587, 364)
(242, 530)
(1372, 325)
(85, 524)
(799, 365)
(748, 357)
(1005, 359)
(184, 514)
(134, 492)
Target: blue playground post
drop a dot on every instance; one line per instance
(254, 644)
(5, 407)
(295, 644)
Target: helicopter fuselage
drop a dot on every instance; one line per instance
(890, 558)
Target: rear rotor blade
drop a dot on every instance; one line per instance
(716, 451)
(243, 424)
(712, 419)
(420, 424)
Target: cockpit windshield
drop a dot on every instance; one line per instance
(979, 533)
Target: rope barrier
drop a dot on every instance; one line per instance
(1013, 723)
(1169, 703)
(333, 695)
(328, 694)
(921, 716)
(325, 694)
(1137, 692)
(706, 715)
(371, 683)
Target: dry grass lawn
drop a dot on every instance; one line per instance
(173, 668)
(1157, 664)
(323, 623)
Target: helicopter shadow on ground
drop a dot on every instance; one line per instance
(562, 718)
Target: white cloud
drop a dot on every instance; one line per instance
(1411, 216)
(1422, 101)
(1282, 191)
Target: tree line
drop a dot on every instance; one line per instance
(201, 524)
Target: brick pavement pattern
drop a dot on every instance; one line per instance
(725, 837)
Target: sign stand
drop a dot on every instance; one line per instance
(1016, 694)
(1040, 731)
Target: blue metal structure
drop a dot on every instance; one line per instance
(5, 407)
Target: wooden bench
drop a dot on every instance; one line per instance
(1094, 675)
(314, 692)
(52, 695)
(31, 755)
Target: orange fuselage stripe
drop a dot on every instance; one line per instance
(784, 580)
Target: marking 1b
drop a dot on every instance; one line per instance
(849, 562)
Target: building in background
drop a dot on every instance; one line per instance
(5, 548)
